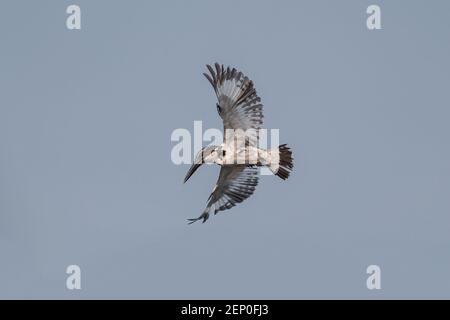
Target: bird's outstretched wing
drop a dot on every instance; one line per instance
(235, 184)
(238, 103)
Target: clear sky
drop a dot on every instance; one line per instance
(85, 170)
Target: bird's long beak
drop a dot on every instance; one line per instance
(191, 171)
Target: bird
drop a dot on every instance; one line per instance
(239, 156)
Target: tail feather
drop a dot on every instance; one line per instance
(286, 162)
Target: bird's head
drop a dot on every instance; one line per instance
(207, 155)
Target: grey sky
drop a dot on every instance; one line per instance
(85, 170)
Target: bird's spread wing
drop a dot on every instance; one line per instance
(238, 103)
(235, 184)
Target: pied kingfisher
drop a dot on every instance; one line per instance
(240, 108)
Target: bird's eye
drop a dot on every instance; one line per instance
(223, 153)
(219, 109)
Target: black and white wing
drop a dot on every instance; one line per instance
(235, 184)
(238, 103)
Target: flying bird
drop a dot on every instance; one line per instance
(239, 156)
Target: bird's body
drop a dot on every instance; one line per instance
(239, 155)
(227, 154)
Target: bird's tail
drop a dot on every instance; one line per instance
(284, 165)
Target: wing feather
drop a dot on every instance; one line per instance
(240, 105)
(235, 184)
